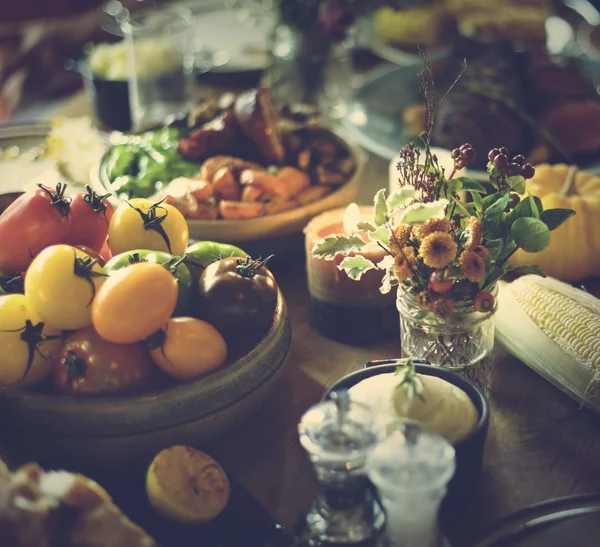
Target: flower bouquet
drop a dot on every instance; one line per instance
(447, 241)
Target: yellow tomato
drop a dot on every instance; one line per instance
(190, 348)
(61, 284)
(28, 346)
(134, 303)
(141, 224)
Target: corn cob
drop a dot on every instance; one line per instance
(555, 330)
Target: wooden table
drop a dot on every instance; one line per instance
(541, 445)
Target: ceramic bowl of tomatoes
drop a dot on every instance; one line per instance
(120, 336)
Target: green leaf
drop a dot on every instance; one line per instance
(553, 218)
(536, 270)
(478, 201)
(356, 266)
(389, 280)
(538, 202)
(333, 245)
(422, 212)
(381, 234)
(517, 183)
(366, 226)
(471, 185)
(494, 246)
(495, 273)
(531, 234)
(493, 198)
(461, 206)
(380, 209)
(453, 185)
(401, 198)
(494, 211)
(525, 208)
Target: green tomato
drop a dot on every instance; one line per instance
(174, 264)
(203, 253)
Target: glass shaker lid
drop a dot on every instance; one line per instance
(338, 429)
(410, 459)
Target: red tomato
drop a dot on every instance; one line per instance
(89, 365)
(438, 282)
(105, 252)
(90, 217)
(34, 221)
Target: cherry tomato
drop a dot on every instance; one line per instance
(438, 283)
(61, 284)
(171, 263)
(90, 216)
(188, 348)
(105, 252)
(484, 302)
(28, 346)
(34, 221)
(141, 224)
(238, 296)
(203, 253)
(88, 365)
(94, 254)
(134, 302)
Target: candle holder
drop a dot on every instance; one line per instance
(342, 309)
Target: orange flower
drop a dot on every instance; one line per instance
(438, 250)
(474, 229)
(431, 226)
(472, 266)
(399, 237)
(411, 256)
(402, 270)
(481, 251)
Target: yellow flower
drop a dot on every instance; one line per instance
(399, 237)
(443, 308)
(410, 255)
(431, 226)
(481, 251)
(472, 266)
(438, 250)
(474, 238)
(401, 270)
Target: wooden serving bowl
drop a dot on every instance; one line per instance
(271, 228)
(92, 433)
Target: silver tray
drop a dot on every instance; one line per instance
(572, 521)
(374, 115)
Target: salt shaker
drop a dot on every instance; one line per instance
(411, 469)
(338, 434)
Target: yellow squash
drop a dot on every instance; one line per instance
(574, 250)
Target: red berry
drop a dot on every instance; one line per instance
(514, 168)
(520, 160)
(493, 153)
(484, 302)
(468, 155)
(528, 171)
(438, 283)
(500, 161)
(504, 151)
(455, 153)
(465, 146)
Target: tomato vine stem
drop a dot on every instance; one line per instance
(249, 266)
(83, 268)
(152, 221)
(95, 201)
(58, 199)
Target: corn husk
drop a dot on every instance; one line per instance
(563, 346)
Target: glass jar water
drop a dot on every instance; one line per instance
(463, 343)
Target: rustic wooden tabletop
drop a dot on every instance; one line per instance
(541, 444)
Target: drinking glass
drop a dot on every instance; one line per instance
(160, 58)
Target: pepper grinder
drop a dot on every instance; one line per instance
(411, 469)
(338, 434)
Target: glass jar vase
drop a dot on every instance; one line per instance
(462, 343)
